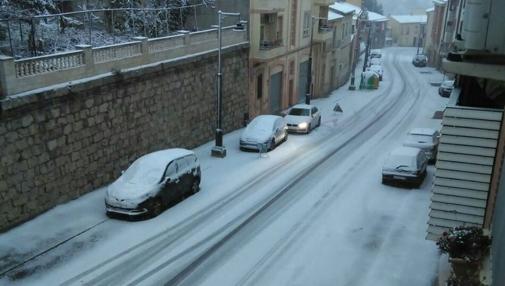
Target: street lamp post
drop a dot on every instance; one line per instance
(308, 91)
(219, 150)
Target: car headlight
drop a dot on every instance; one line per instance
(303, 125)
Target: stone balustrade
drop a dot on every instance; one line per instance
(24, 75)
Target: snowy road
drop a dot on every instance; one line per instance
(312, 213)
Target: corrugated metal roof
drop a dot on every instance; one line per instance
(465, 163)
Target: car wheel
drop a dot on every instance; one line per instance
(195, 186)
(319, 122)
(156, 207)
(285, 137)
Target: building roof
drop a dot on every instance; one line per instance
(345, 8)
(410, 19)
(334, 16)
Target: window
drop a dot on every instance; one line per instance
(307, 18)
(259, 86)
(171, 170)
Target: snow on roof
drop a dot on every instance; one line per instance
(430, 9)
(376, 17)
(410, 19)
(422, 131)
(334, 16)
(345, 8)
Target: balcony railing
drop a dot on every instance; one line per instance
(268, 45)
(18, 76)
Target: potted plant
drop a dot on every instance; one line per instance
(466, 247)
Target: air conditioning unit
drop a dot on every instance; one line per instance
(483, 24)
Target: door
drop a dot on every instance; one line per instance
(170, 190)
(275, 93)
(302, 81)
(185, 175)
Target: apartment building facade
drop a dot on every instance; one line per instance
(434, 32)
(408, 30)
(280, 36)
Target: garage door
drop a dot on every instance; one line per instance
(276, 93)
(302, 81)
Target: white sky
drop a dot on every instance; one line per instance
(405, 6)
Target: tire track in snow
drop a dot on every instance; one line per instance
(286, 241)
(168, 237)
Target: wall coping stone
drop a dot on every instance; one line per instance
(58, 90)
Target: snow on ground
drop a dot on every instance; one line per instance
(362, 222)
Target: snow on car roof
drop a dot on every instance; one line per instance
(405, 151)
(261, 120)
(422, 131)
(302, 105)
(160, 159)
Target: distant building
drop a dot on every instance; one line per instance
(408, 30)
(358, 3)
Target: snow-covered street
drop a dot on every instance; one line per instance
(311, 212)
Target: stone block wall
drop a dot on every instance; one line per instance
(59, 144)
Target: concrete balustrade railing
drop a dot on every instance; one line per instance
(19, 76)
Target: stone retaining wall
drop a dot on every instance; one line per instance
(59, 144)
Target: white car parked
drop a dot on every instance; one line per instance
(302, 118)
(153, 182)
(264, 130)
(426, 139)
(405, 165)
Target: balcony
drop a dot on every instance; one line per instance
(269, 45)
(323, 32)
(475, 69)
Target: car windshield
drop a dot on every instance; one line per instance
(420, 57)
(144, 174)
(421, 138)
(299, 112)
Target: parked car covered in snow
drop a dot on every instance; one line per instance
(446, 88)
(426, 139)
(376, 53)
(270, 130)
(377, 69)
(420, 60)
(302, 118)
(405, 165)
(153, 182)
(375, 62)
